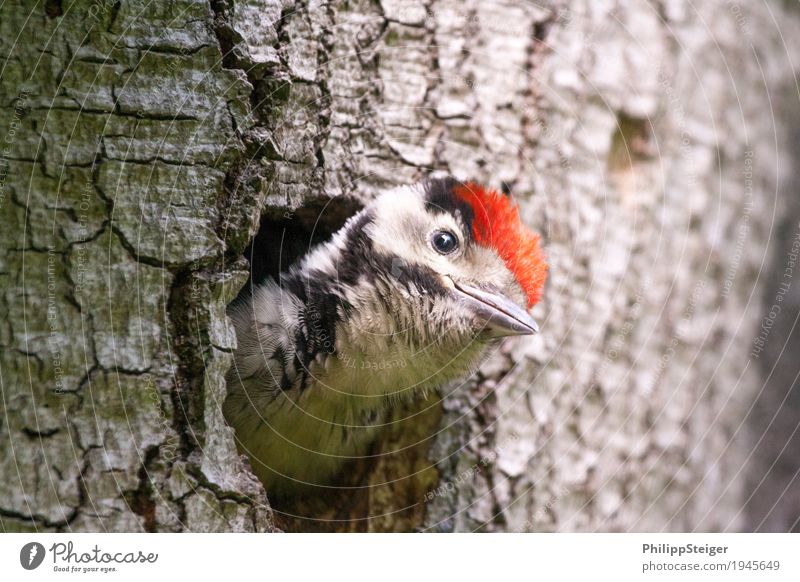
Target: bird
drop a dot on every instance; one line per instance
(404, 298)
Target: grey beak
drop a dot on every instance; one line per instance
(501, 316)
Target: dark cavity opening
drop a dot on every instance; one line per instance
(285, 236)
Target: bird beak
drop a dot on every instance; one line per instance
(501, 316)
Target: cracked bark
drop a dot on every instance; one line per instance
(114, 271)
(145, 154)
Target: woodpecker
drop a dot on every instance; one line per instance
(405, 297)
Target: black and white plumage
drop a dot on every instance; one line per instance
(401, 300)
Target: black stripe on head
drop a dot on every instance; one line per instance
(441, 197)
(357, 252)
(408, 275)
(360, 261)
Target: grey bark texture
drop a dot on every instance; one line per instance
(145, 144)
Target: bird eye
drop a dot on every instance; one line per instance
(445, 242)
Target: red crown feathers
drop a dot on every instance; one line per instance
(497, 225)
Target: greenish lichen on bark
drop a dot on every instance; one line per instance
(123, 126)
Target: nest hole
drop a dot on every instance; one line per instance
(285, 236)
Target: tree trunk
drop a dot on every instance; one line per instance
(146, 145)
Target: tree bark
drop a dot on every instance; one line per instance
(146, 146)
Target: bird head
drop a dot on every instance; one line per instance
(441, 260)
